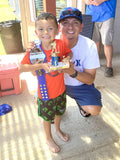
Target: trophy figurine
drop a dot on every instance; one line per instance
(54, 54)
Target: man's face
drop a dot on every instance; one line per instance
(71, 28)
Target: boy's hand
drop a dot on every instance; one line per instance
(46, 67)
(40, 66)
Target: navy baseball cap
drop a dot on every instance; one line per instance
(70, 12)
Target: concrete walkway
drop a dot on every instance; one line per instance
(96, 138)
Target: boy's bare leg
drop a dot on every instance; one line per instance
(50, 141)
(63, 136)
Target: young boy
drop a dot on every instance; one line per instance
(51, 89)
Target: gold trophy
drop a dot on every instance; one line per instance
(55, 63)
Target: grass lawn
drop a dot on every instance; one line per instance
(6, 13)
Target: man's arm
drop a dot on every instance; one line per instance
(88, 2)
(94, 2)
(98, 2)
(87, 77)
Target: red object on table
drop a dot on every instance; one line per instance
(9, 76)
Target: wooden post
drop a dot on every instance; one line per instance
(81, 6)
(49, 6)
(74, 3)
(24, 18)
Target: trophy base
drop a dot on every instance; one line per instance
(61, 65)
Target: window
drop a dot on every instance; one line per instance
(60, 4)
(38, 7)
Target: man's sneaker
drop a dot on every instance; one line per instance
(108, 72)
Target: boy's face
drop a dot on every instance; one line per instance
(71, 28)
(46, 30)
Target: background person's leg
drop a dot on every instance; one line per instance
(108, 49)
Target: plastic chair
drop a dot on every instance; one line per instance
(88, 26)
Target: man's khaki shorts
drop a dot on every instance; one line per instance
(104, 31)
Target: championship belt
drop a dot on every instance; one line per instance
(38, 54)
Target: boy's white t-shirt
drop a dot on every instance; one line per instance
(85, 56)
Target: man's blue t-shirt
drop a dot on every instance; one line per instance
(103, 12)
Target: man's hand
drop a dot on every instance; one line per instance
(94, 2)
(88, 2)
(30, 46)
(69, 70)
(97, 2)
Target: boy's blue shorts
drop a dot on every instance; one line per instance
(84, 94)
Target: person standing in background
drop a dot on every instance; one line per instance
(103, 14)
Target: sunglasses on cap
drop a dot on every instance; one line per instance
(70, 12)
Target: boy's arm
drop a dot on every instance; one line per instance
(34, 67)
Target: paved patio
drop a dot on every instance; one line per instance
(95, 138)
